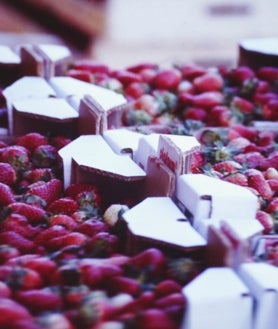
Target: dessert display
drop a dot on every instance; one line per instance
(136, 198)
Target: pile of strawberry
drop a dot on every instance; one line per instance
(61, 264)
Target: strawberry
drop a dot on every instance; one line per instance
(154, 318)
(63, 220)
(251, 159)
(266, 220)
(36, 174)
(49, 233)
(6, 195)
(137, 68)
(268, 73)
(49, 191)
(264, 98)
(22, 278)
(167, 79)
(54, 320)
(247, 132)
(103, 244)
(236, 178)
(208, 82)
(173, 299)
(17, 156)
(40, 300)
(136, 89)
(194, 113)
(64, 205)
(92, 226)
(31, 140)
(59, 141)
(197, 162)
(34, 214)
(271, 173)
(44, 265)
(7, 174)
(45, 156)
(273, 183)
(272, 206)
(89, 201)
(208, 99)
(8, 252)
(11, 311)
(147, 103)
(240, 74)
(83, 75)
(74, 189)
(18, 241)
(239, 144)
(69, 239)
(227, 166)
(191, 71)
(5, 290)
(126, 77)
(151, 260)
(123, 284)
(270, 109)
(74, 294)
(243, 105)
(19, 224)
(182, 269)
(257, 181)
(166, 287)
(90, 65)
(219, 116)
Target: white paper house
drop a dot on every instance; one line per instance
(262, 280)
(203, 197)
(47, 115)
(217, 298)
(101, 102)
(157, 220)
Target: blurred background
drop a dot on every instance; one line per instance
(125, 32)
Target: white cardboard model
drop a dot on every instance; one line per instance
(262, 280)
(176, 151)
(208, 197)
(8, 56)
(217, 298)
(147, 146)
(26, 88)
(159, 219)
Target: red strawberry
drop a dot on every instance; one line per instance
(173, 299)
(45, 156)
(152, 259)
(49, 191)
(257, 181)
(92, 226)
(49, 233)
(19, 224)
(219, 116)
(31, 140)
(270, 110)
(154, 318)
(273, 183)
(268, 73)
(74, 189)
(69, 239)
(91, 66)
(7, 174)
(236, 178)
(89, 201)
(208, 99)
(247, 132)
(239, 144)
(22, 278)
(126, 77)
(64, 205)
(194, 113)
(240, 74)
(60, 141)
(167, 79)
(197, 162)
(208, 82)
(73, 295)
(63, 220)
(6, 195)
(191, 71)
(272, 207)
(40, 300)
(7, 252)
(17, 156)
(264, 98)
(167, 287)
(266, 220)
(11, 311)
(227, 166)
(34, 175)
(54, 320)
(103, 244)
(18, 241)
(251, 159)
(137, 68)
(243, 105)
(123, 284)
(147, 103)
(83, 75)
(136, 89)
(34, 214)
(5, 290)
